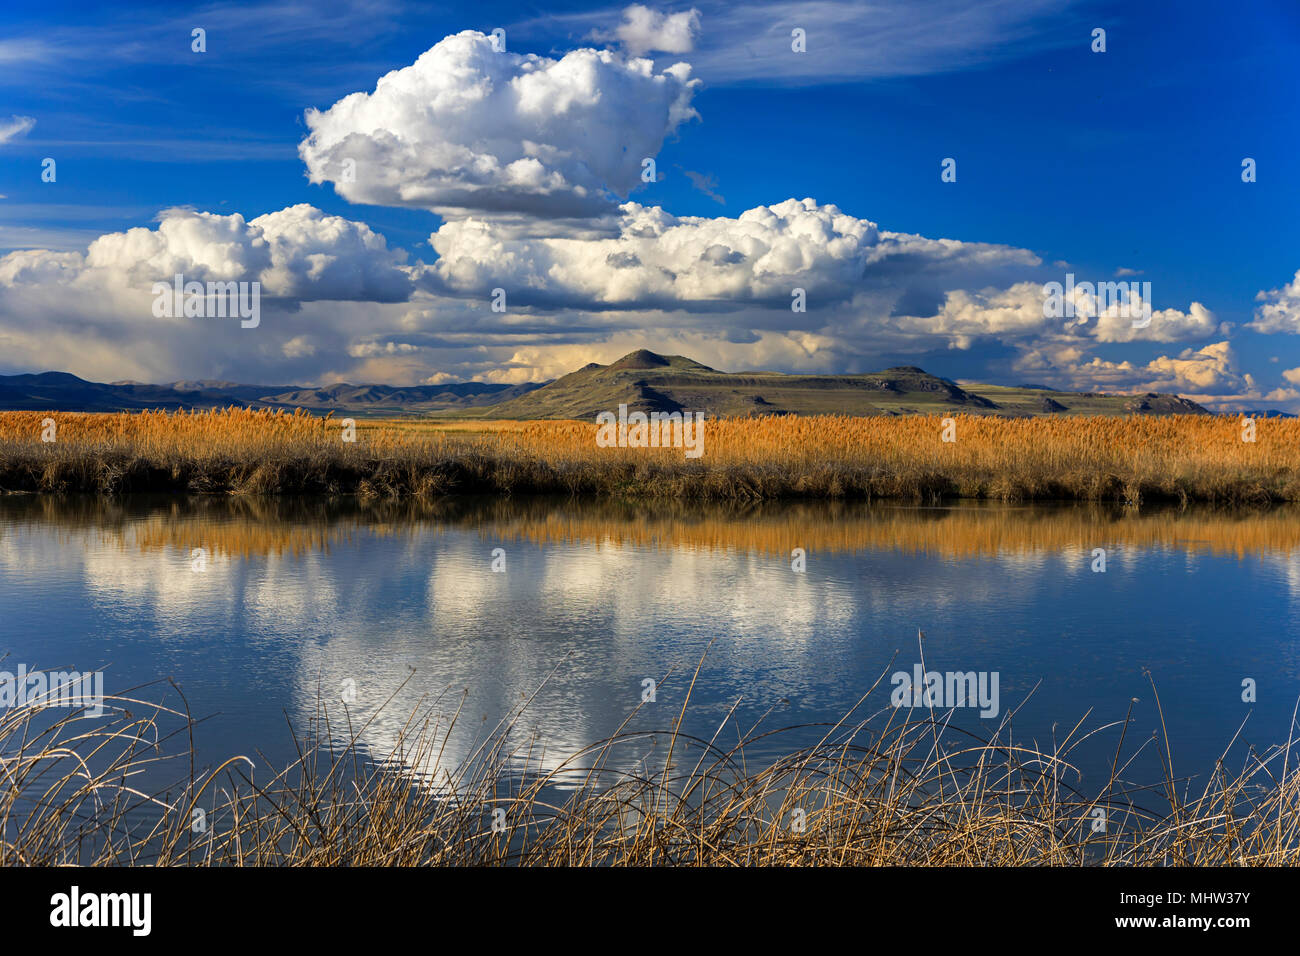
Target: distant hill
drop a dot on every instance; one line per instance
(59, 391)
(1264, 413)
(374, 399)
(642, 380)
(650, 382)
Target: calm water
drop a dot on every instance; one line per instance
(290, 601)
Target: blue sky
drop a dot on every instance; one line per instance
(1087, 162)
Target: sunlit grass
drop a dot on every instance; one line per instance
(1105, 458)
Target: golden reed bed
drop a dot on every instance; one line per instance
(1129, 459)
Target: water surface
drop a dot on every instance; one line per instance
(259, 609)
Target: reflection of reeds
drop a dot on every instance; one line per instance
(952, 532)
(237, 526)
(1098, 459)
(885, 789)
(257, 525)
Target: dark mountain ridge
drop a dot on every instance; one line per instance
(642, 380)
(645, 381)
(60, 391)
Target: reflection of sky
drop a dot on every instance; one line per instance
(253, 638)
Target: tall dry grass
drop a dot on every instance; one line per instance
(1131, 459)
(877, 788)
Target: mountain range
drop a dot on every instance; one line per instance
(641, 380)
(59, 391)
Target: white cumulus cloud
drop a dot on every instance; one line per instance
(658, 260)
(644, 30)
(1279, 310)
(296, 253)
(1206, 370)
(468, 130)
(96, 308)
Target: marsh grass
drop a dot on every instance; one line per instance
(1120, 459)
(883, 788)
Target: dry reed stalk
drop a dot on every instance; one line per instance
(883, 788)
